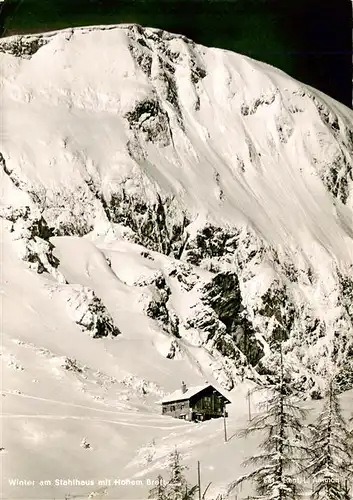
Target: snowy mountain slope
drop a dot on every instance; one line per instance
(45, 435)
(203, 154)
(197, 153)
(60, 385)
(168, 212)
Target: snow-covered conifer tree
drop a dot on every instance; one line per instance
(158, 491)
(177, 487)
(331, 466)
(277, 464)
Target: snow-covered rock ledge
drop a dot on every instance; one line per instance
(85, 309)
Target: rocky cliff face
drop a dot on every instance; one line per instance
(239, 175)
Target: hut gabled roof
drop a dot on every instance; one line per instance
(189, 393)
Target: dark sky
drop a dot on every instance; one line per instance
(309, 39)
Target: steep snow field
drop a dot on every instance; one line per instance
(60, 386)
(168, 212)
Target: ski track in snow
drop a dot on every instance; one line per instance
(95, 419)
(130, 414)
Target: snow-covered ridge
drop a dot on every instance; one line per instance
(230, 179)
(27, 45)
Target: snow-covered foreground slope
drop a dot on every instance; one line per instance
(169, 212)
